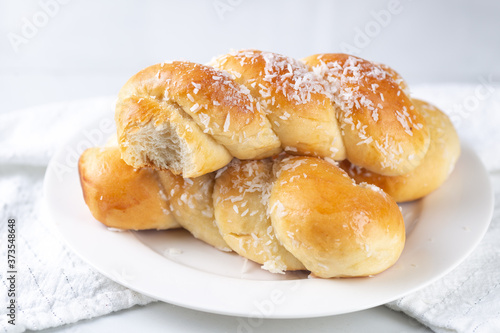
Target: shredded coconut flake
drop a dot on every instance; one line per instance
(227, 122)
(274, 266)
(195, 108)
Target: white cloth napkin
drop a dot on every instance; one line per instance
(54, 287)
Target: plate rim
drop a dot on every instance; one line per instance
(265, 287)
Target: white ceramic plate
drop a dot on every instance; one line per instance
(172, 266)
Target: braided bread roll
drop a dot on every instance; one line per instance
(192, 119)
(290, 213)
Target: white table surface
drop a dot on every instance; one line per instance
(163, 317)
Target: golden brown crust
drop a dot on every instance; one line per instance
(120, 196)
(336, 228)
(435, 168)
(293, 99)
(398, 79)
(382, 131)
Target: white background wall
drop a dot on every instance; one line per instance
(55, 50)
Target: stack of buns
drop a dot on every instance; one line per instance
(296, 165)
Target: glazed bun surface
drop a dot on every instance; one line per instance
(294, 99)
(333, 226)
(381, 129)
(434, 169)
(120, 196)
